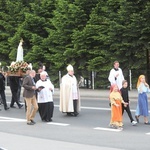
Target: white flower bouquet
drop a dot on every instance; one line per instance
(18, 68)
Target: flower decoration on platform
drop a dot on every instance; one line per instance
(18, 66)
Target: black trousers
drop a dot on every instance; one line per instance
(128, 112)
(46, 111)
(75, 103)
(14, 98)
(2, 93)
(19, 92)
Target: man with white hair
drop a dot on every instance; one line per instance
(45, 97)
(69, 93)
(29, 94)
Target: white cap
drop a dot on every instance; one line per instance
(69, 68)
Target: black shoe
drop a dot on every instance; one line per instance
(12, 106)
(30, 123)
(76, 114)
(33, 121)
(47, 120)
(20, 106)
(6, 108)
(70, 114)
(137, 119)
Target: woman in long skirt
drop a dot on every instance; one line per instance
(142, 105)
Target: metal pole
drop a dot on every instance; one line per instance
(59, 77)
(130, 78)
(6, 80)
(93, 80)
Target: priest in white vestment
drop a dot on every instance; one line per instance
(69, 94)
(116, 75)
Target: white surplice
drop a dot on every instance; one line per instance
(118, 80)
(45, 95)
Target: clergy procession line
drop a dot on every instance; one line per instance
(38, 95)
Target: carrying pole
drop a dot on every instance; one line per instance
(59, 77)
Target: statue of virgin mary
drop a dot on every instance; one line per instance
(20, 51)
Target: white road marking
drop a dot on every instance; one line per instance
(1, 148)
(8, 119)
(91, 108)
(96, 108)
(107, 129)
(58, 124)
(148, 133)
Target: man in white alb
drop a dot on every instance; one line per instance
(116, 75)
(69, 93)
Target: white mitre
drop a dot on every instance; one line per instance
(69, 68)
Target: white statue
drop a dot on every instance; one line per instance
(20, 51)
(30, 66)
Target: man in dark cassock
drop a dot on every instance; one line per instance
(14, 87)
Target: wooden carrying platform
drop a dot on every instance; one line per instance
(19, 73)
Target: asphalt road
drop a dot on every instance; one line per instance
(87, 131)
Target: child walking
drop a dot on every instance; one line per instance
(125, 96)
(116, 107)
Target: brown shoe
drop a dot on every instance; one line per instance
(33, 121)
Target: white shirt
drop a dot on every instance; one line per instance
(45, 95)
(118, 80)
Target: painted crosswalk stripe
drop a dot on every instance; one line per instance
(8, 119)
(58, 124)
(107, 129)
(148, 133)
(1, 148)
